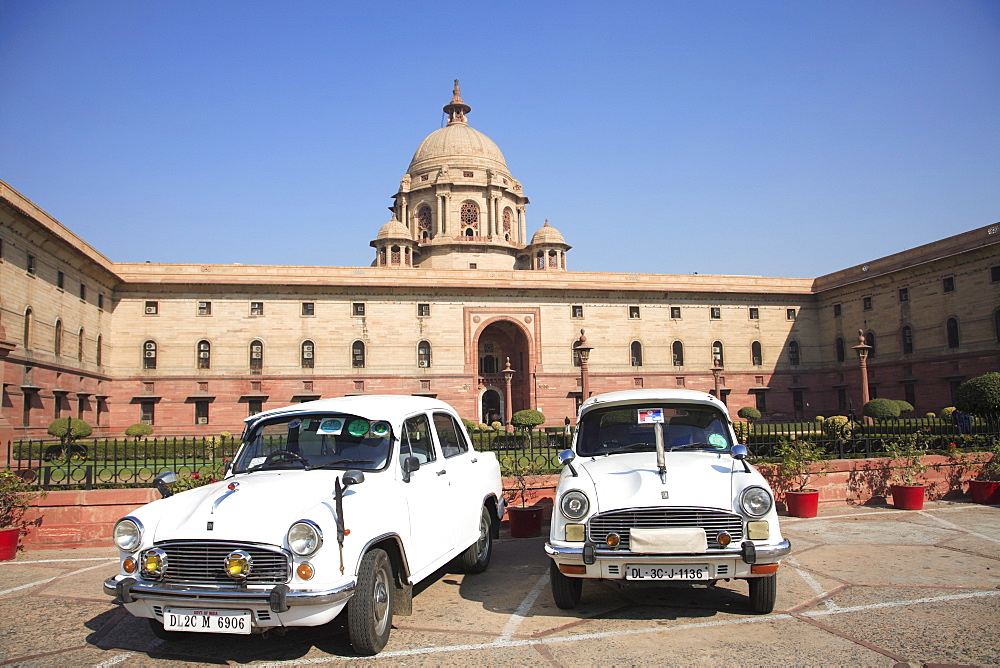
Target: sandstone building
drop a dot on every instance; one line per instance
(456, 288)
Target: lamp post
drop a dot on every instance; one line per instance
(863, 349)
(508, 410)
(716, 370)
(583, 350)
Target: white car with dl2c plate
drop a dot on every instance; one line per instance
(656, 491)
(330, 504)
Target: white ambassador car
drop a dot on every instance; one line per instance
(657, 491)
(330, 504)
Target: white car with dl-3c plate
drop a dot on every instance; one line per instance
(656, 491)
(328, 506)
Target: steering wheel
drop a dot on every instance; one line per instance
(286, 455)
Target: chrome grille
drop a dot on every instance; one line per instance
(622, 521)
(198, 562)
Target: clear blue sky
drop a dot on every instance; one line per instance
(771, 138)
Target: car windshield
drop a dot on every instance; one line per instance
(321, 440)
(616, 429)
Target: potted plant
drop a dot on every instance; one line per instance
(801, 460)
(986, 486)
(525, 520)
(906, 463)
(15, 499)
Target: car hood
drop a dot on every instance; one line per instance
(260, 509)
(631, 480)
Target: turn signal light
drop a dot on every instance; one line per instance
(724, 538)
(613, 540)
(570, 569)
(764, 568)
(305, 571)
(129, 565)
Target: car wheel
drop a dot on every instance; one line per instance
(156, 626)
(565, 590)
(763, 591)
(369, 612)
(476, 557)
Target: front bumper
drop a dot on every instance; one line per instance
(279, 598)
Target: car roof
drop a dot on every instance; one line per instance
(661, 395)
(392, 407)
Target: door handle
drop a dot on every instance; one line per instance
(475, 460)
(442, 471)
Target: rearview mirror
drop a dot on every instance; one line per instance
(410, 464)
(162, 482)
(353, 477)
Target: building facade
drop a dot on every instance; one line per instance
(456, 294)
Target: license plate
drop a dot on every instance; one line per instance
(672, 572)
(207, 621)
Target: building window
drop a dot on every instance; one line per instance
(60, 280)
(756, 357)
(57, 342)
(754, 313)
(31, 265)
(423, 310)
(424, 355)
(841, 399)
(789, 314)
(469, 216)
(576, 357)
(201, 411)
(149, 355)
(79, 345)
(717, 357)
(358, 308)
(636, 353)
(100, 301)
(837, 311)
(204, 308)
(866, 303)
(675, 312)
(870, 341)
(907, 337)
(951, 328)
(255, 406)
(577, 311)
(204, 355)
(99, 353)
(996, 324)
(358, 355)
(793, 353)
(83, 292)
(677, 352)
(308, 308)
(839, 347)
(760, 401)
(256, 357)
(995, 274)
(147, 413)
(798, 401)
(910, 393)
(473, 265)
(904, 294)
(27, 328)
(633, 312)
(948, 283)
(424, 222)
(716, 313)
(256, 308)
(308, 354)
(152, 308)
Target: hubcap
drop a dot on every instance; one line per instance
(381, 607)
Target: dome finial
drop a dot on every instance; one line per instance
(456, 109)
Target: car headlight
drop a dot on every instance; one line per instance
(304, 538)
(128, 533)
(756, 501)
(574, 504)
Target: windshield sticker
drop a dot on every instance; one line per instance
(650, 415)
(358, 427)
(255, 461)
(718, 440)
(380, 429)
(294, 424)
(331, 426)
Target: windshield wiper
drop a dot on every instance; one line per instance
(694, 446)
(631, 447)
(339, 462)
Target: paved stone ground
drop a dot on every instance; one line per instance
(864, 586)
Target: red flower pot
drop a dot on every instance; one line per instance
(985, 491)
(525, 522)
(8, 543)
(802, 504)
(908, 497)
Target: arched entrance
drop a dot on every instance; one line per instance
(499, 341)
(491, 405)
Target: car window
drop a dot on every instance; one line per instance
(633, 429)
(416, 440)
(450, 437)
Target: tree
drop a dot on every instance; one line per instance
(138, 430)
(749, 413)
(68, 430)
(881, 409)
(979, 395)
(527, 419)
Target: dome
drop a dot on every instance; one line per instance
(393, 230)
(547, 235)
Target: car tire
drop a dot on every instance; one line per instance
(566, 591)
(763, 592)
(369, 612)
(476, 557)
(156, 626)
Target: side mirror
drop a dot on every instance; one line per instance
(353, 478)
(566, 458)
(162, 482)
(740, 452)
(410, 464)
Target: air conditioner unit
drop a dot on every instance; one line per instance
(422, 363)
(150, 345)
(202, 420)
(150, 353)
(203, 354)
(255, 355)
(150, 310)
(307, 354)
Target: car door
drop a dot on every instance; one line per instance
(463, 482)
(428, 497)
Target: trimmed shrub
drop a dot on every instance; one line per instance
(749, 413)
(881, 409)
(945, 414)
(68, 429)
(742, 430)
(837, 426)
(527, 419)
(470, 426)
(979, 395)
(904, 406)
(930, 415)
(138, 430)
(819, 418)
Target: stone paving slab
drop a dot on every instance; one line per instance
(864, 586)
